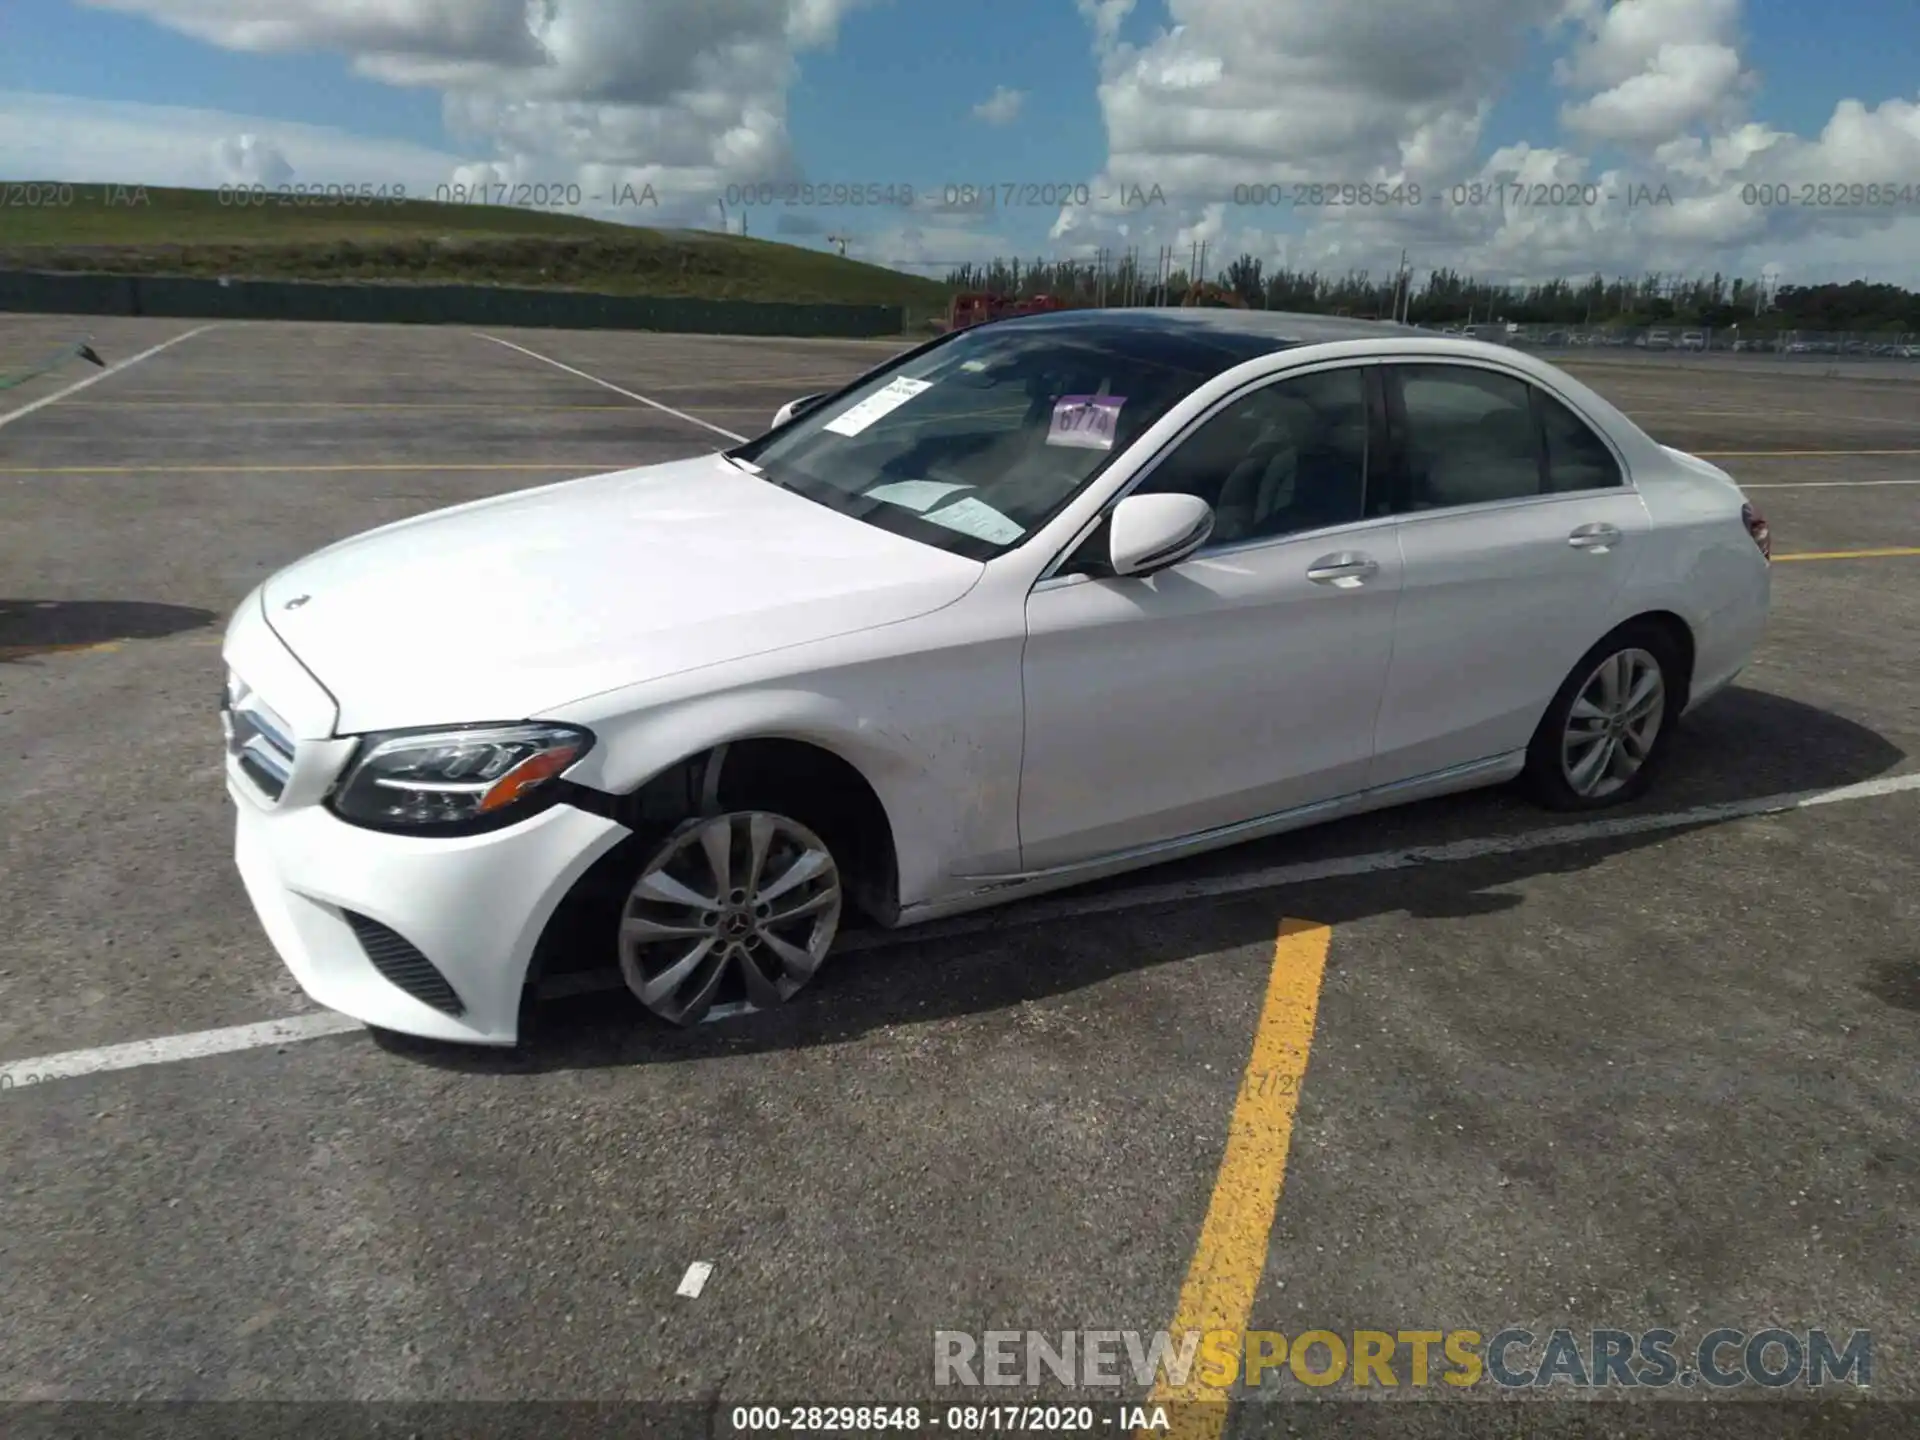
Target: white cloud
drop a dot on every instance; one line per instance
(1244, 93)
(120, 142)
(1248, 91)
(685, 95)
(1657, 67)
(1002, 107)
(251, 160)
(1105, 17)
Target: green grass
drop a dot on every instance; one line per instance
(154, 231)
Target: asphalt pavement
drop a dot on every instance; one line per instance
(1626, 1078)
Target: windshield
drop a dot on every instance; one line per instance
(975, 443)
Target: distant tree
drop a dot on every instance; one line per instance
(1243, 278)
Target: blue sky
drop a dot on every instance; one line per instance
(1705, 97)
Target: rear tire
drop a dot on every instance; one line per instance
(1608, 730)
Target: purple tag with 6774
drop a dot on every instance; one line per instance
(1085, 421)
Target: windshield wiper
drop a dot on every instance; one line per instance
(747, 467)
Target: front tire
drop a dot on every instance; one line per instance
(1609, 728)
(736, 907)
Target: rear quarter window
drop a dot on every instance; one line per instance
(1577, 458)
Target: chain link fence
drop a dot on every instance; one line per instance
(1685, 339)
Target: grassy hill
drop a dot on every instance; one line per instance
(150, 230)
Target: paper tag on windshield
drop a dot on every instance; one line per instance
(885, 402)
(914, 494)
(1085, 421)
(975, 517)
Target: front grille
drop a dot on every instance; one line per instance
(260, 741)
(403, 965)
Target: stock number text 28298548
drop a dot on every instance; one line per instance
(770, 195)
(315, 196)
(1316, 195)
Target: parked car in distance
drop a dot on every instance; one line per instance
(1693, 340)
(1041, 601)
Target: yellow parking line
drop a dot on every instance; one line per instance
(1853, 554)
(1232, 1250)
(1790, 454)
(1666, 412)
(433, 405)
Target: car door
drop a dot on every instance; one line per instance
(1244, 681)
(1518, 531)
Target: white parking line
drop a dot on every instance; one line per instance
(96, 377)
(695, 1280)
(20, 1074)
(1346, 867)
(23, 1073)
(609, 385)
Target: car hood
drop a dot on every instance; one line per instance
(508, 607)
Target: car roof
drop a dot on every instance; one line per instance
(1260, 329)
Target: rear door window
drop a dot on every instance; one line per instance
(1470, 436)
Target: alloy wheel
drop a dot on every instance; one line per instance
(1611, 728)
(736, 907)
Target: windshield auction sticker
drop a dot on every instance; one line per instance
(1087, 422)
(919, 495)
(977, 518)
(882, 402)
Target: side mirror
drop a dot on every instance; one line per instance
(1146, 533)
(795, 407)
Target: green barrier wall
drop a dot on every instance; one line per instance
(185, 297)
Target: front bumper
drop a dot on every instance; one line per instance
(473, 907)
(357, 914)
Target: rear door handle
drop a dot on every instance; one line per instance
(1600, 537)
(1344, 570)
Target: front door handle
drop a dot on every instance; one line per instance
(1343, 570)
(1600, 538)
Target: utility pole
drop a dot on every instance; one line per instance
(839, 241)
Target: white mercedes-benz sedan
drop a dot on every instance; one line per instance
(1032, 604)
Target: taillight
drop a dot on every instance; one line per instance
(1758, 528)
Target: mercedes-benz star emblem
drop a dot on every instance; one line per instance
(297, 601)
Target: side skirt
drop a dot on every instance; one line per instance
(991, 890)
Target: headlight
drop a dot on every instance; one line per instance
(455, 779)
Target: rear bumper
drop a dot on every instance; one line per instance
(1726, 642)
